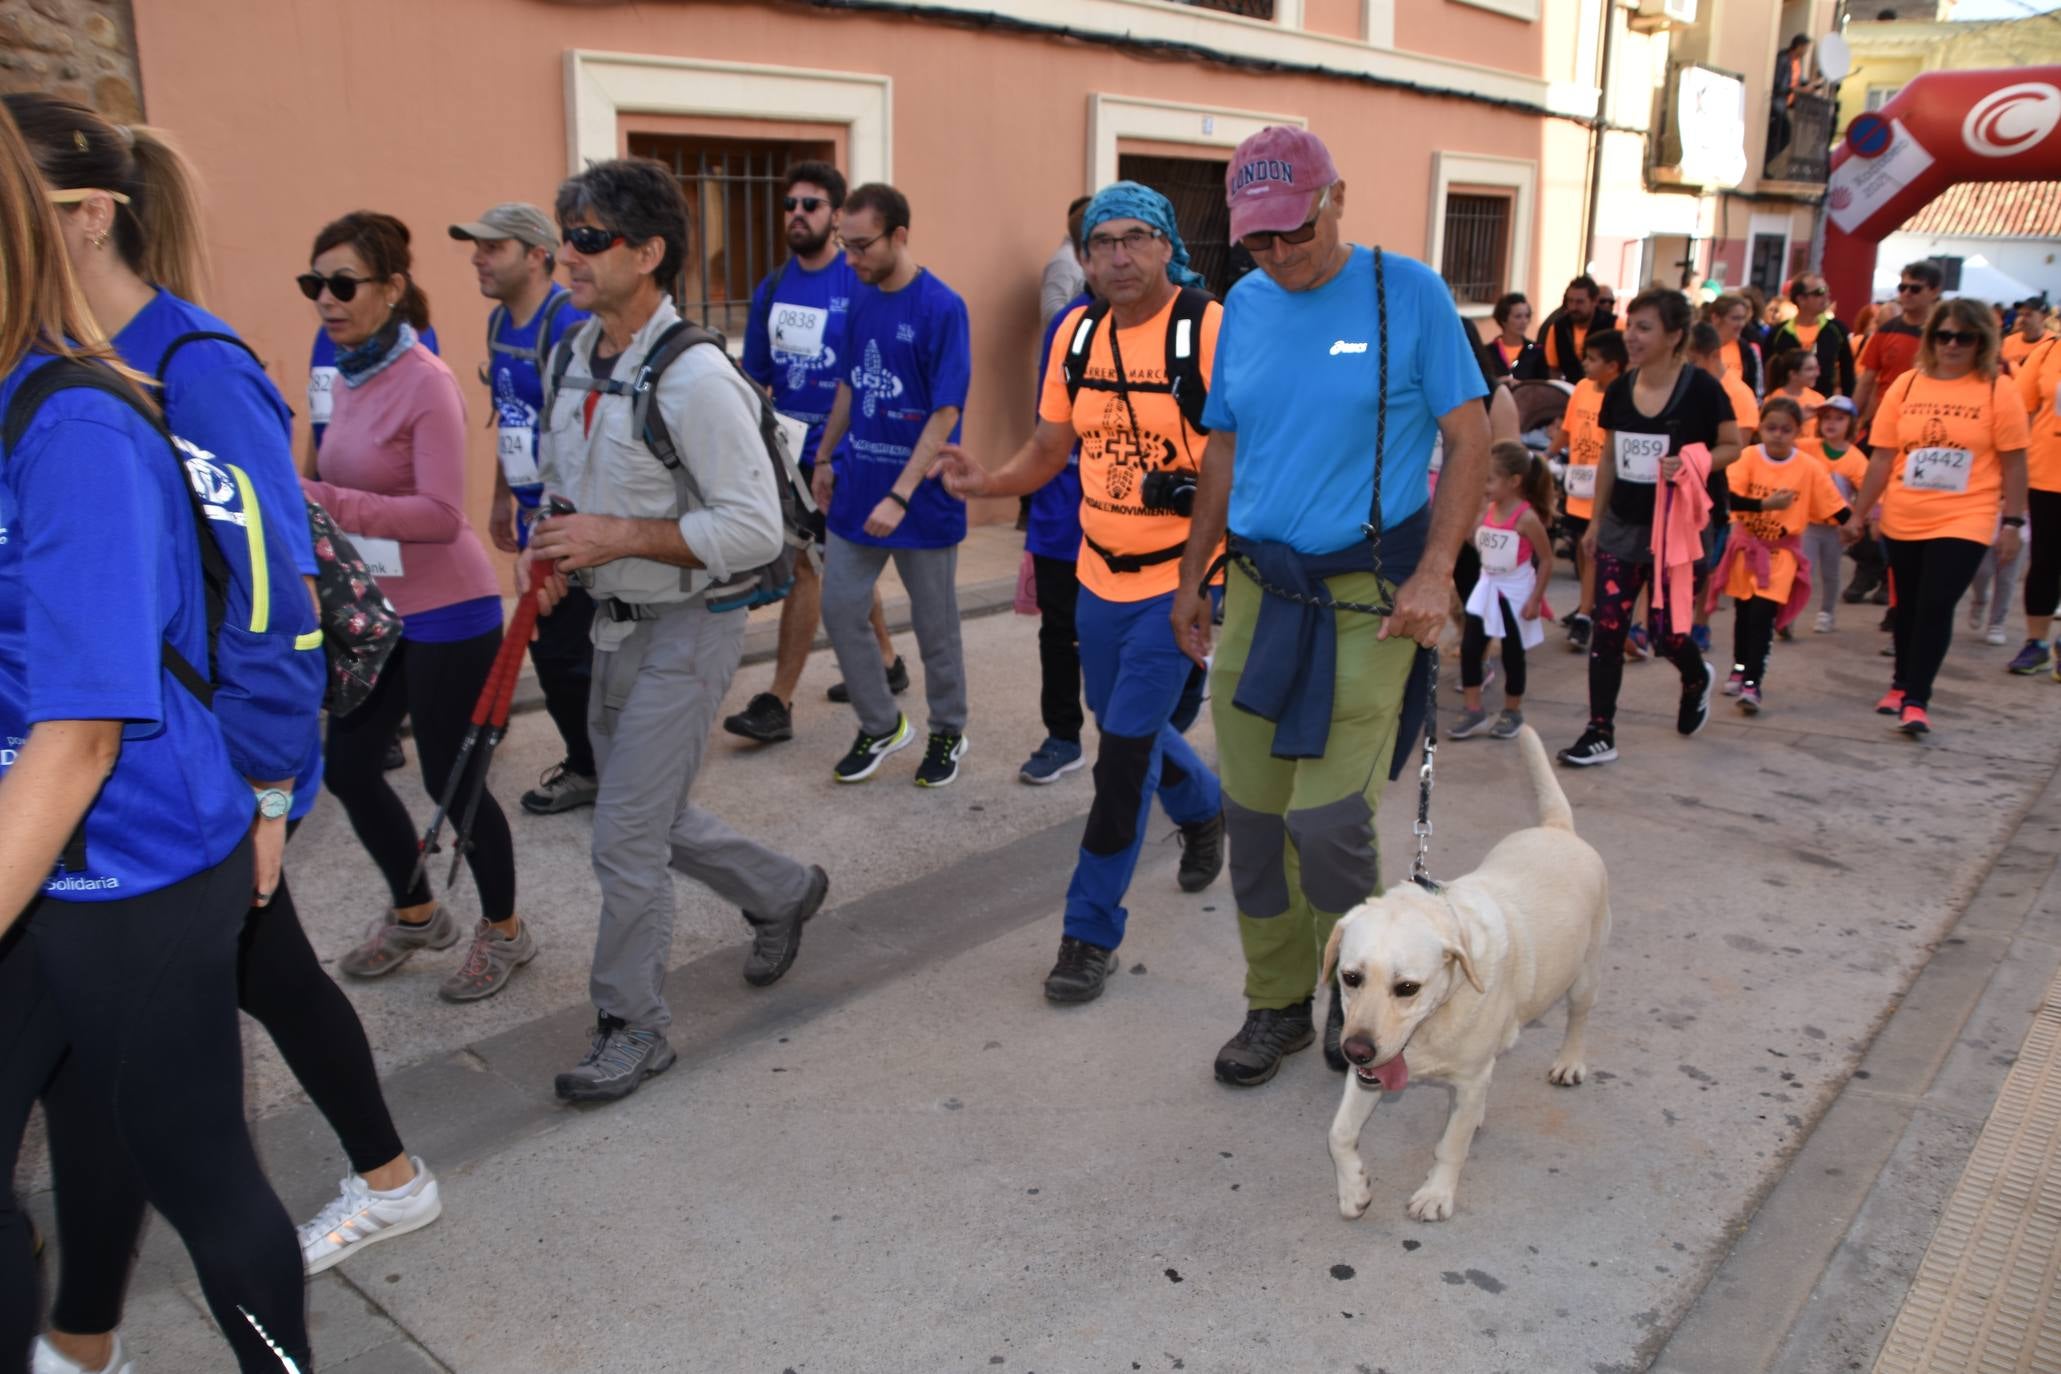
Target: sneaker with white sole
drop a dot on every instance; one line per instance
(1508, 723)
(1824, 625)
(489, 964)
(1472, 721)
(1695, 708)
(864, 758)
(46, 1360)
(940, 766)
(1997, 634)
(1594, 747)
(1051, 761)
(359, 1217)
(391, 942)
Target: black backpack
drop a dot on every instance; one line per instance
(538, 352)
(1184, 375)
(755, 586)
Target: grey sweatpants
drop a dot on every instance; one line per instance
(1821, 544)
(1993, 585)
(653, 702)
(931, 578)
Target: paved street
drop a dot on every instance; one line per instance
(1830, 943)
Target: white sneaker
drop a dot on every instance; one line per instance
(359, 1216)
(1824, 623)
(1997, 635)
(46, 1360)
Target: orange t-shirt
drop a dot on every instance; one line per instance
(1849, 466)
(1115, 457)
(1947, 482)
(1758, 476)
(2016, 346)
(1811, 399)
(2036, 383)
(1584, 430)
(1735, 364)
(1806, 332)
(1745, 408)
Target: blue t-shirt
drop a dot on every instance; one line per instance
(220, 400)
(910, 357)
(322, 376)
(519, 395)
(99, 565)
(794, 341)
(1054, 528)
(1297, 380)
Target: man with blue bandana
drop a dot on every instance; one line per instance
(1125, 378)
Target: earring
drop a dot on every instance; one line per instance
(100, 241)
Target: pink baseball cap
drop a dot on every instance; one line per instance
(1274, 180)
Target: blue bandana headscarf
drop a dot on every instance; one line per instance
(1129, 200)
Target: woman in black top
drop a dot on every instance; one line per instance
(1649, 416)
(1513, 341)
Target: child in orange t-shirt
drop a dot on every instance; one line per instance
(1833, 446)
(1580, 435)
(1776, 491)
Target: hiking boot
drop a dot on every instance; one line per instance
(1081, 973)
(1695, 709)
(616, 1063)
(1749, 699)
(1508, 723)
(1334, 1031)
(764, 718)
(1913, 720)
(775, 942)
(940, 766)
(897, 682)
(489, 964)
(560, 789)
(358, 1216)
(1892, 702)
(1594, 747)
(1051, 761)
(2030, 659)
(1202, 852)
(1269, 1035)
(1579, 627)
(1824, 625)
(1734, 680)
(390, 941)
(868, 751)
(1472, 722)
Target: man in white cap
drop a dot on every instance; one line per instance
(1337, 370)
(514, 251)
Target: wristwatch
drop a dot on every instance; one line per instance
(274, 803)
(2012, 522)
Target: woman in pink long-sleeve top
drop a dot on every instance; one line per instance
(392, 472)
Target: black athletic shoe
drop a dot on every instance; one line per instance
(1081, 973)
(1594, 747)
(394, 757)
(1578, 630)
(764, 719)
(1202, 853)
(940, 766)
(897, 682)
(1695, 710)
(1334, 1031)
(867, 751)
(1268, 1036)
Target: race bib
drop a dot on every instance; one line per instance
(320, 402)
(1639, 455)
(1938, 469)
(1581, 482)
(797, 330)
(1438, 452)
(518, 449)
(1498, 549)
(382, 556)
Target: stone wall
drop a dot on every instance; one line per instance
(83, 50)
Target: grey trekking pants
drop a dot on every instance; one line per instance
(653, 702)
(931, 578)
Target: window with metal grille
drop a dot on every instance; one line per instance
(1196, 187)
(1250, 9)
(737, 228)
(1476, 262)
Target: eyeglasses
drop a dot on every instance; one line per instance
(808, 205)
(1264, 239)
(340, 286)
(588, 240)
(1911, 288)
(858, 245)
(1953, 337)
(1133, 243)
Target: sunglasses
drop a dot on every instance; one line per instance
(1811, 291)
(808, 205)
(587, 240)
(1264, 239)
(1951, 337)
(340, 286)
(1911, 288)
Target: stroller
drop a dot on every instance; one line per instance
(1541, 404)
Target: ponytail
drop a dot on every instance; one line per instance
(1508, 458)
(167, 214)
(1538, 489)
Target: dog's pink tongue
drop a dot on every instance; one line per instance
(1393, 1075)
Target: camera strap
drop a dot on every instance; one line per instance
(1123, 386)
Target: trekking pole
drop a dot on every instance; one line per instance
(480, 712)
(507, 669)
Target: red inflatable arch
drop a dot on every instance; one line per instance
(1941, 129)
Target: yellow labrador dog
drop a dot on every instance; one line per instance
(1449, 977)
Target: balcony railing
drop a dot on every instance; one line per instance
(1249, 9)
(1800, 138)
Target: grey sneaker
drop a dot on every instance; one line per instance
(390, 941)
(1507, 725)
(1469, 724)
(775, 942)
(489, 964)
(616, 1064)
(560, 789)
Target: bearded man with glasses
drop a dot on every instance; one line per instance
(1336, 370)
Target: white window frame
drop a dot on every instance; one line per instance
(601, 87)
(1515, 9)
(1113, 118)
(1770, 226)
(1519, 176)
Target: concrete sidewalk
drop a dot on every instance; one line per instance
(901, 1159)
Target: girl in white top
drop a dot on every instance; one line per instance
(1516, 564)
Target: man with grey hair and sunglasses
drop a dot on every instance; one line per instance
(648, 548)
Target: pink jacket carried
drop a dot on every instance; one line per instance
(1678, 523)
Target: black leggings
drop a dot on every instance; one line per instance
(1927, 578)
(1753, 634)
(436, 686)
(136, 1000)
(563, 654)
(1059, 650)
(2043, 543)
(281, 983)
(1474, 648)
(1618, 584)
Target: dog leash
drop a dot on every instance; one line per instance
(1420, 867)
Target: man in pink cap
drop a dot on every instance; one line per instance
(1337, 370)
